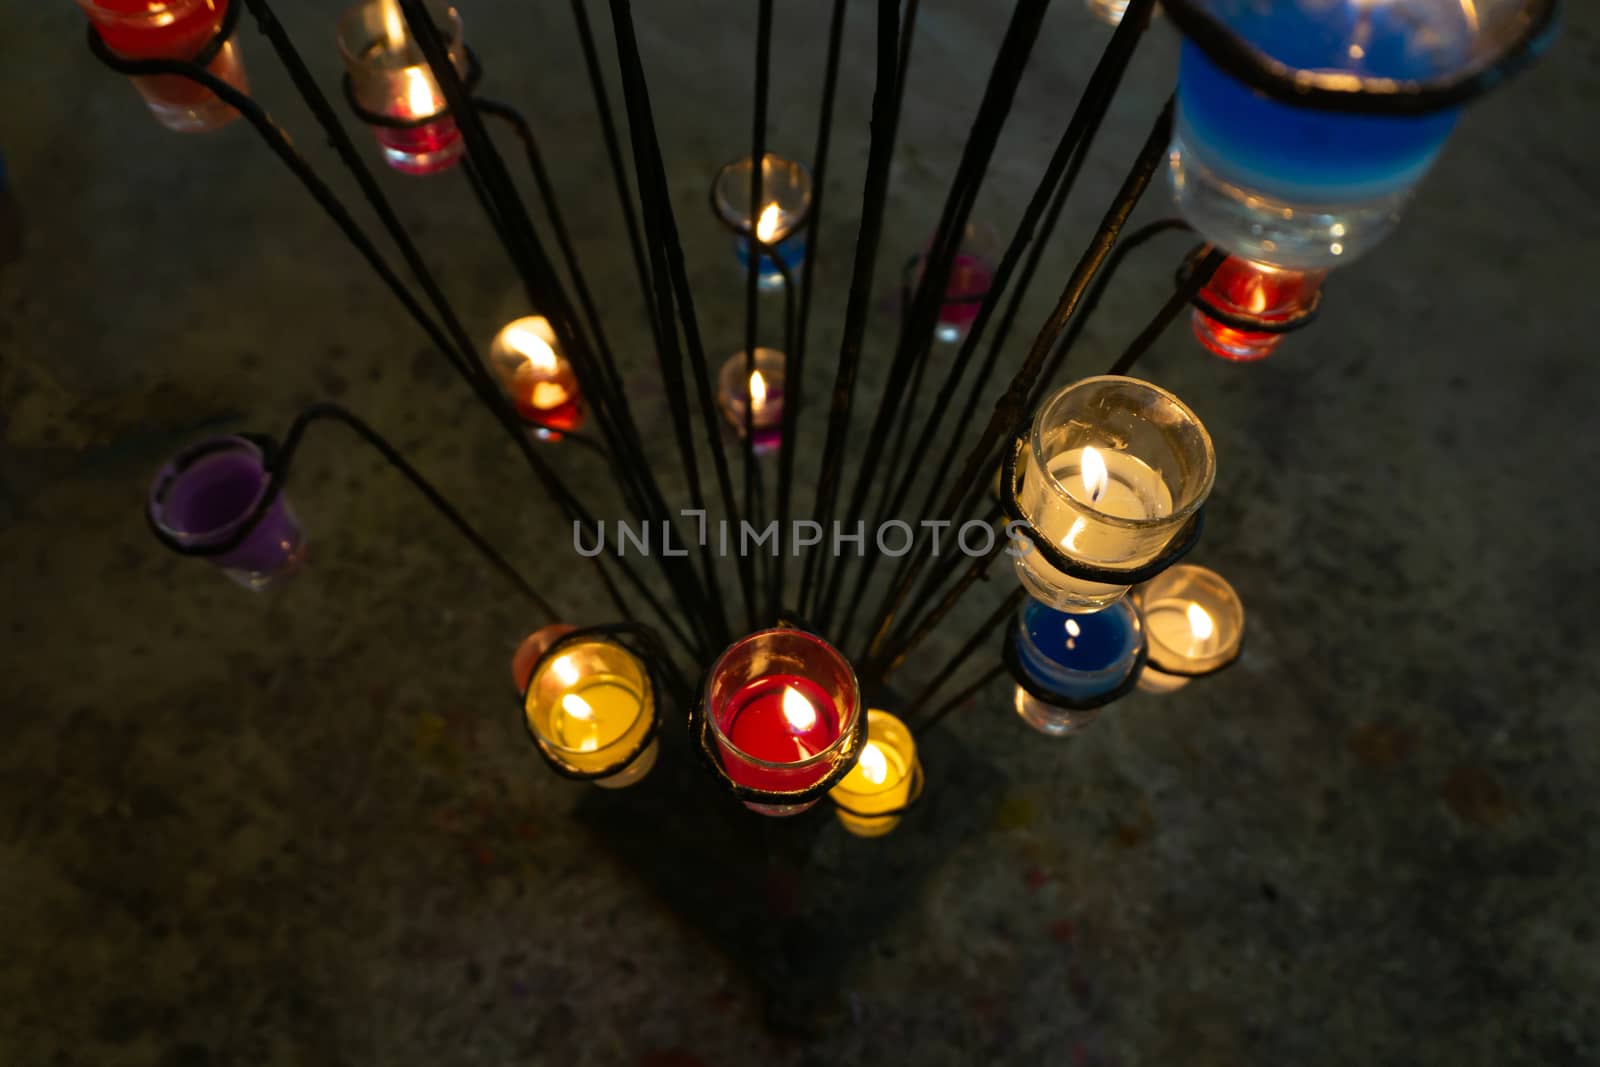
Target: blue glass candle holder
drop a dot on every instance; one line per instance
(1315, 173)
(1081, 661)
(778, 224)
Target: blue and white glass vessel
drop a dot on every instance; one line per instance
(1080, 658)
(779, 222)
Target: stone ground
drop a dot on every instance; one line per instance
(303, 827)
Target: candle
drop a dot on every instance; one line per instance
(1254, 291)
(1194, 622)
(1114, 468)
(172, 29)
(785, 208)
(880, 785)
(1302, 188)
(208, 491)
(1078, 658)
(781, 706)
(526, 359)
(1108, 11)
(589, 706)
(761, 392)
(390, 78)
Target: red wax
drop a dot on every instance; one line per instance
(963, 294)
(129, 27)
(415, 149)
(1250, 289)
(756, 722)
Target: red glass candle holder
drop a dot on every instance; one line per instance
(1243, 292)
(391, 87)
(526, 359)
(783, 708)
(173, 29)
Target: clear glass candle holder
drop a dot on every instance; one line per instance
(591, 709)
(1081, 658)
(389, 77)
(782, 706)
(525, 358)
(172, 29)
(970, 279)
(1114, 469)
(206, 493)
(780, 221)
(760, 395)
(1256, 291)
(884, 780)
(1194, 623)
(1109, 12)
(1308, 189)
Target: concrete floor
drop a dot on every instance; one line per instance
(303, 827)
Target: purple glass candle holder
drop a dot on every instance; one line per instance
(207, 501)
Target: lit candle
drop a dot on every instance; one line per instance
(781, 705)
(879, 786)
(761, 392)
(589, 706)
(208, 492)
(1078, 658)
(172, 29)
(526, 359)
(1194, 622)
(1254, 291)
(785, 208)
(1302, 188)
(390, 78)
(1114, 468)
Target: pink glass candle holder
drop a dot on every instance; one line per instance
(760, 397)
(393, 89)
(1243, 292)
(540, 382)
(783, 706)
(173, 29)
(971, 277)
(208, 501)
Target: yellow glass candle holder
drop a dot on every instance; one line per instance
(590, 708)
(886, 779)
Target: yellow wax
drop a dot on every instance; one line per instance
(880, 781)
(591, 706)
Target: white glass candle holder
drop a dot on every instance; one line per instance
(756, 394)
(1115, 468)
(778, 224)
(1194, 623)
(590, 707)
(390, 82)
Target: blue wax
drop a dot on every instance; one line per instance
(791, 250)
(1078, 656)
(1293, 152)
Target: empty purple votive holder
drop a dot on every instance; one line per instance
(203, 502)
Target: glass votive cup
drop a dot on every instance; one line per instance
(1194, 623)
(1114, 469)
(1254, 291)
(1080, 658)
(968, 284)
(590, 707)
(390, 78)
(780, 222)
(782, 706)
(172, 29)
(884, 781)
(760, 395)
(208, 492)
(525, 358)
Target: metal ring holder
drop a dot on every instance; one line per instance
(1013, 665)
(1342, 91)
(139, 68)
(645, 645)
(1299, 320)
(1011, 481)
(705, 745)
(470, 79)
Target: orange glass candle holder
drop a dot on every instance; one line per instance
(526, 359)
(190, 31)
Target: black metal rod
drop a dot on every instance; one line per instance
(959, 699)
(754, 254)
(1174, 305)
(984, 633)
(1009, 407)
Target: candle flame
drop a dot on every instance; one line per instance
(1073, 629)
(758, 391)
(1200, 623)
(419, 93)
(767, 225)
(577, 707)
(798, 710)
(874, 767)
(394, 27)
(565, 670)
(523, 337)
(1095, 476)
